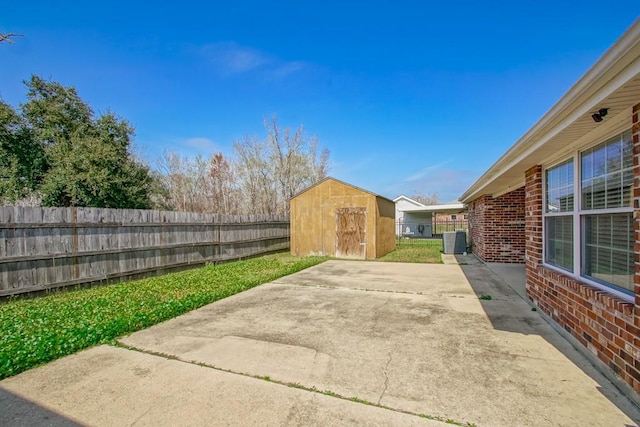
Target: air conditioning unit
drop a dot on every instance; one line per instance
(454, 242)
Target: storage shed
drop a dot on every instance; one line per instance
(338, 219)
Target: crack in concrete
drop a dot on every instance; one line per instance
(353, 288)
(137, 420)
(311, 389)
(386, 377)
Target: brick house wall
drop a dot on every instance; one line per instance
(606, 325)
(497, 227)
(477, 225)
(635, 129)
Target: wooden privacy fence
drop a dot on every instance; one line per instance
(44, 248)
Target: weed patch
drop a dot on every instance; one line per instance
(36, 331)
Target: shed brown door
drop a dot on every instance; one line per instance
(351, 233)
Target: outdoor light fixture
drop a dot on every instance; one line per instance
(597, 117)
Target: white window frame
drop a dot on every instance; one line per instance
(577, 215)
(546, 214)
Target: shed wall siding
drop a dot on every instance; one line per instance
(497, 226)
(385, 228)
(313, 219)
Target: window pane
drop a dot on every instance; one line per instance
(607, 174)
(559, 188)
(613, 156)
(559, 241)
(607, 249)
(627, 183)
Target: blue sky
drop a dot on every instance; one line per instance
(409, 96)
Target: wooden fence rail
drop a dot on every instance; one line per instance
(44, 248)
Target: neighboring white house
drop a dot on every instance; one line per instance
(414, 219)
(410, 223)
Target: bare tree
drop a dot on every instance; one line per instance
(255, 175)
(198, 184)
(7, 38)
(184, 181)
(297, 164)
(271, 172)
(224, 197)
(262, 178)
(426, 199)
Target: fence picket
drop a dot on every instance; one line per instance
(42, 248)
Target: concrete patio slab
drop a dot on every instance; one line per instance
(411, 336)
(110, 386)
(417, 338)
(514, 275)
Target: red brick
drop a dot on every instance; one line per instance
(619, 322)
(632, 330)
(606, 324)
(626, 356)
(608, 335)
(497, 227)
(633, 372)
(605, 354)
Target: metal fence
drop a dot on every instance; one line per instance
(430, 242)
(427, 229)
(44, 248)
(440, 227)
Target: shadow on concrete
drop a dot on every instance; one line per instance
(18, 411)
(508, 310)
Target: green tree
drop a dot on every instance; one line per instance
(22, 159)
(81, 160)
(95, 169)
(54, 112)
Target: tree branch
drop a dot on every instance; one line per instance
(7, 37)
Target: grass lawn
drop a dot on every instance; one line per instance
(416, 250)
(39, 330)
